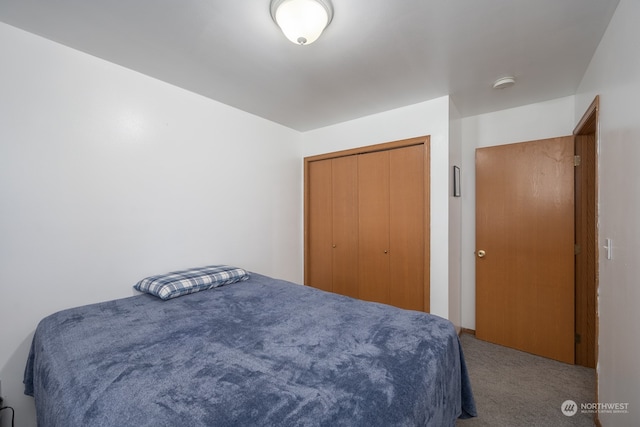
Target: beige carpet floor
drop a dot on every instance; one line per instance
(513, 388)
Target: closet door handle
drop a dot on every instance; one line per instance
(386, 251)
(333, 246)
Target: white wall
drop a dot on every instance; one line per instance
(426, 118)
(455, 219)
(536, 121)
(614, 74)
(107, 176)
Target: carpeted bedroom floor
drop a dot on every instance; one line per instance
(513, 388)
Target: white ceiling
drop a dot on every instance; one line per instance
(375, 55)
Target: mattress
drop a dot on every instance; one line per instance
(262, 352)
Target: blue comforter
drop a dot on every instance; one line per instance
(258, 353)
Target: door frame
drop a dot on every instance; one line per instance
(589, 124)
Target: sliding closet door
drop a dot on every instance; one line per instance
(320, 228)
(391, 227)
(344, 192)
(367, 223)
(406, 227)
(373, 227)
(333, 225)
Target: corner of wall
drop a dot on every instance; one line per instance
(455, 218)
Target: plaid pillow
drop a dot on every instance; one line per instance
(178, 283)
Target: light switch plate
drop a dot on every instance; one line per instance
(609, 248)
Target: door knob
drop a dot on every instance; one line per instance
(481, 253)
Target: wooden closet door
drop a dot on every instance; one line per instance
(367, 223)
(345, 225)
(320, 228)
(406, 227)
(373, 226)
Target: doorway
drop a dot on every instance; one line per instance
(586, 260)
(511, 296)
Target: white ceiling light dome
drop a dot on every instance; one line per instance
(302, 21)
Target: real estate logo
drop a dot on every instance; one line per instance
(569, 408)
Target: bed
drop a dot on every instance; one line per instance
(259, 352)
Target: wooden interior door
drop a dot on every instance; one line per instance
(525, 246)
(373, 226)
(406, 227)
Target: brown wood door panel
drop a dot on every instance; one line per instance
(406, 210)
(320, 230)
(351, 252)
(373, 227)
(345, 225)
(525, 225)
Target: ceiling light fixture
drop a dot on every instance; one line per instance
(302, 21)
(504, 82)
